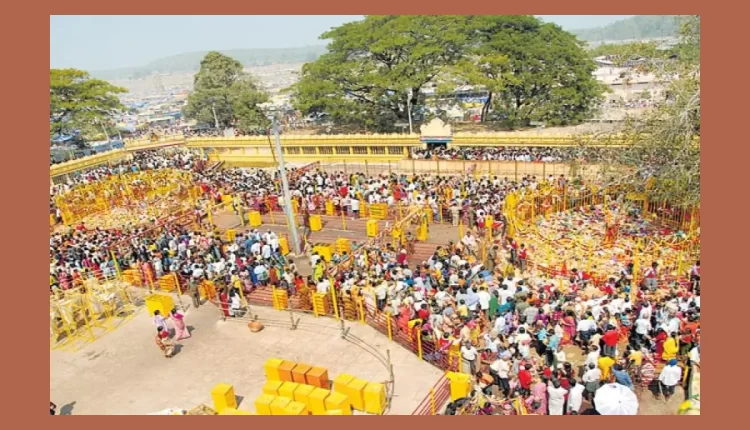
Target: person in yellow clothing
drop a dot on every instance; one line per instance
(319, 269)
(605, 364)
(671, 346)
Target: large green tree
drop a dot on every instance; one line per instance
(375, 68)
(79, 102)
(223, 93)
(533, 71)
(663, 158)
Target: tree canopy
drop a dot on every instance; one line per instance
(373, 66)
(222, 88)
(377, 67)
(79, 102)
(533, 71)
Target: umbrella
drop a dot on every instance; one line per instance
(615, 399)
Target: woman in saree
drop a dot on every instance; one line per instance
(404, 314)
(536, 403)
(224, 301)
(180, 329)
(626, 323)
(659, 339)
(568, 324)
(163, 342)
(247, 283)
(647, 372)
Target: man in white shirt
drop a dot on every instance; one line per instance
(645, 311)
(355, 208)
(585, 328)
(504, 293)
(500, 368)
(695, 355)
(575, 396)
(323, 286)
(484, 300)
(261, 273)
(642, 328)
(591, 378)
(381, 292)
(593, 356)
(197, 272)
(469, 355)
(266, 252)
(469, 241)
(670, 377)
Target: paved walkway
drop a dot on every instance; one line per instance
(124, 373)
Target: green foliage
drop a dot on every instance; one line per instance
(533, 71)
(372, 64)
(190, 62)
(79, 102)
(637, 27)
(664, 158)
(223, 89)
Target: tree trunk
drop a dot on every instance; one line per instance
(486, 108)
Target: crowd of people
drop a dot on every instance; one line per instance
(514, 329)
(525, 336)
(498, 153)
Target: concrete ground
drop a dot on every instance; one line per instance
(124, 373)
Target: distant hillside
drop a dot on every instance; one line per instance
(189, 62)
(637, 27)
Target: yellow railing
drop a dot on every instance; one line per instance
(87, 162)
(250, 150)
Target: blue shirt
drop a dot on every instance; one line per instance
(504, 308)
(622, 378)
(541, 334)
(471, 299)
(554, 340)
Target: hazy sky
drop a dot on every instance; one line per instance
(108, 42)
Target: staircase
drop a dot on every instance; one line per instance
(422, 252)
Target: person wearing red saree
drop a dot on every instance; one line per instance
(403, 318)
(524, 378)
(659, 339)
(569, 328)
(224, 300)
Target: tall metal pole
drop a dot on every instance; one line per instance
(216, 119)
(285, 190)
(408, 109)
